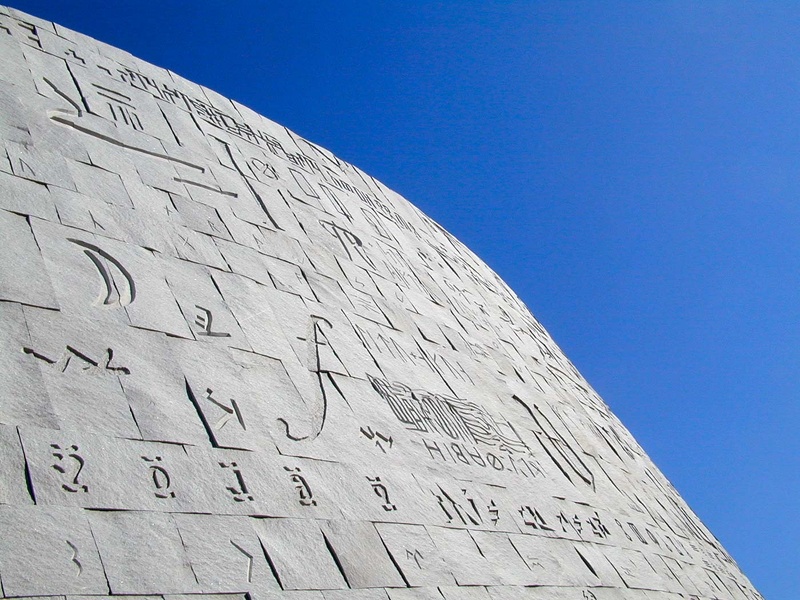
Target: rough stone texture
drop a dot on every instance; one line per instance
(236, 366)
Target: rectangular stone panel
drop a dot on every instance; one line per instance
(23, 277)
(361, 554)
(415, 553)
(225, 554)
(299, 554)
(23, 396)
(48, 550)
(143, 553)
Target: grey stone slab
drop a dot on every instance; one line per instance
(635, 570)
(464, 558)
(77, 469)
(195, 247)
(361, 554)
(48, 550)
(255, 308)
(205, 596)
(13, 122)
(299, 554)
(82, 375)
(200, 217)
(24, 397)
(105, 280)
(82, 212)
(142, 553)
(204, 309)
(99, 183)
(381, 494)
(415, 553)
(39, 166)
(246, 401)
(23, 277)
(225, 554)
(13, 488)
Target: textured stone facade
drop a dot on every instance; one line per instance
(233, 364)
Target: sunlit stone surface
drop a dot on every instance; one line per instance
(234, 364)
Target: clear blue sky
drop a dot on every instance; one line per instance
(631, 169)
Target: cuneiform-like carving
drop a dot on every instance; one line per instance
(416, 556)
(249, 558)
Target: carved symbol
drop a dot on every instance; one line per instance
(73, 485)
(249, 560)
(533, 518)
(557, 448)
(241, 493)
(532, 562)
(119, 289)
(494, 512)
(370, 435)
(230, 411)
(453, 418)
(416, 556)
(382, 493)
(204, 320)
(120, 112)
(302, 487)
(453, 509)
(71, 52)
(261, 169)
(161, 479)
(598, 528)
(315, 338)
(349, 241)
(574, 522)
(587, 595)
(74, 557)
(89, 365)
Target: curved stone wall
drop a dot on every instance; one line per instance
(234, 364)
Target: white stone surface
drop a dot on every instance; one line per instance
(237, 367)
